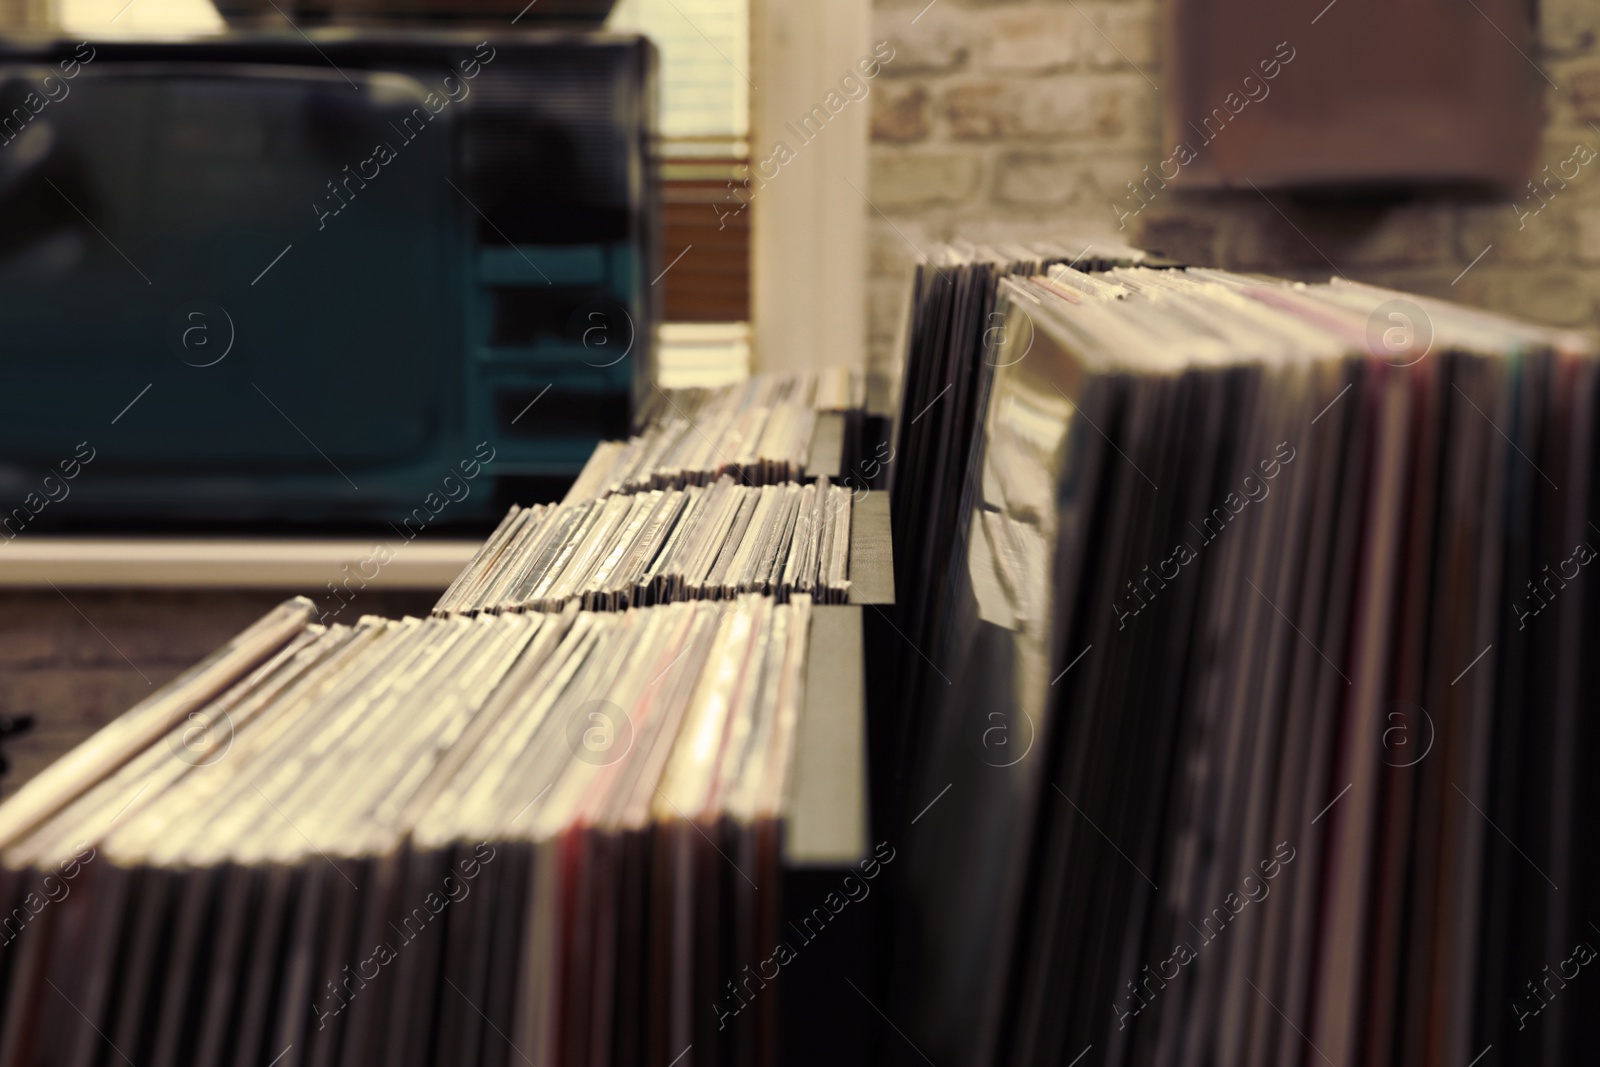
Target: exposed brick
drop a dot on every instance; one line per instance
(1191, 237)
(1111, 171)
(977, 111)
(1039, 180)
(1058, 106)
(895, 249)
(1559, 174)
(904, 180)
(1032, 86)
(1472, 290)
(1588, 225)
(1567, 26)
(1342, 239)
(1531, 238)
(999, 225)
(934, 40)
(1583, 89)
(1074, 106)
(1553, 297)
(900, 114)
(884, 358)
(1122, 38)
(1128, 189)
(1033, 40)
(883, 381)
(1402, 236)
(1425, 281)
(1257, 238)
(887, 306)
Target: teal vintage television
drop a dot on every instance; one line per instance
(304, 278)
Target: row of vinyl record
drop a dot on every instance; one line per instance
(700, 543)
(758, 431)
(1252, 651)
(517, 830)
(827, 388)
(524, 837)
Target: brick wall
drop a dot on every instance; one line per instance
(76, 665)
(1002, 119)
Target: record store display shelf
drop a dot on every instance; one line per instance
(561, 835)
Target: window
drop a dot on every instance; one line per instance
(704, 50)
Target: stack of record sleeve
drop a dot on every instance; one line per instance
(704, 504)
(1253, 676)
(830, 388)
(699, 543)
(759, 431)
(491, 839)
(944, 387)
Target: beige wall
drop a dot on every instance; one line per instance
(1025, 118)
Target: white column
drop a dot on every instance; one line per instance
(808, 254)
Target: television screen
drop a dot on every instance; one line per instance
(259, 284)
